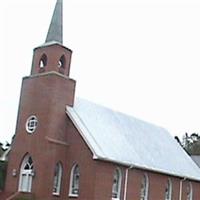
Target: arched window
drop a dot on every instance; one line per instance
(31, 124)
(189, 191)
(144, 188)
(26, 174)
(168, 190)
(43, 61)
(57, 179)
(74, 181)
(116, 187)
(61, 62)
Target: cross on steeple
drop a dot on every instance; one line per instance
(55, 32)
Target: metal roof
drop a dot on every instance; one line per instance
(55, 32)
(123, 139)
(196, 159)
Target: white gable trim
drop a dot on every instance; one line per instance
(80, 127)
(84, 132)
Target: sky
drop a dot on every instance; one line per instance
(135, 56)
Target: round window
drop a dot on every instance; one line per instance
(31, 124)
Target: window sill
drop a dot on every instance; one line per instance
(73, 195)
(56, 194)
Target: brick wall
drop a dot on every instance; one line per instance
(57, 140)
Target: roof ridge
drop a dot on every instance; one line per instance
(129, 115)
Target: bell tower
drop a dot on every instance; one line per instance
(40, 140)
(52, 55)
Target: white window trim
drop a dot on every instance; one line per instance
(71, 182)
(73, 195)
(146, 184)
(169, 183)
(191, 191)
(60, 171)
(120, 184)
(22, 170)
(27, 122)
(56, 194)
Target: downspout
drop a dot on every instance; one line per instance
(126, 181)
(181, 188)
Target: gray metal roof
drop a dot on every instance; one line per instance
(55, 32)
(123, 139)
(196, 159)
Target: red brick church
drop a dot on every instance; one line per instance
(69, 148)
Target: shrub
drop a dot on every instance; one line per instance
(3, 168)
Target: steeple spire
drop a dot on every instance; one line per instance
(52, 56)
(55, 32)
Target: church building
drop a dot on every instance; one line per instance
(67, 148)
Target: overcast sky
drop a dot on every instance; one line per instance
(135, 56)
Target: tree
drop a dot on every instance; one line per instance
(1, 149)
(191, 143)
(3, 164)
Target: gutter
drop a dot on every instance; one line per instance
(146, 168)
(126, 181)
(96, 156)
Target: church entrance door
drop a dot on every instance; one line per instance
(26, 175)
